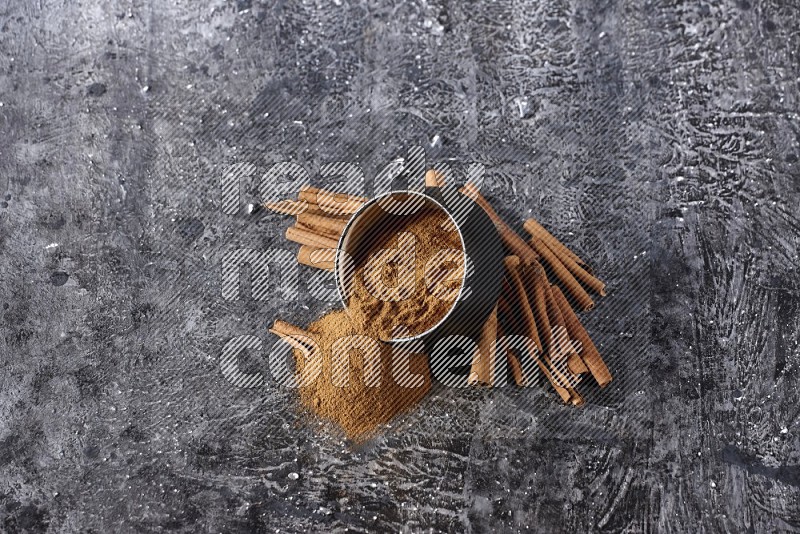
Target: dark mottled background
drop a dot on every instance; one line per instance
(659, 139)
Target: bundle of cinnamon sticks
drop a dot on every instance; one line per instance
(321, 218)
(534, 307)
(532, 303)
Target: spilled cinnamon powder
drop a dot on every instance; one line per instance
(374, 389)
(408, 279)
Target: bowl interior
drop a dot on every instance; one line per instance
(373, 218)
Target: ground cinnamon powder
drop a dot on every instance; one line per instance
(355, 406)
(382, 381)
(428, 240)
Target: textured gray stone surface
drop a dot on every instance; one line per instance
(659, 139)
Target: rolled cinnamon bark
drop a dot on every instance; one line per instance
(434, 178)
(329, 226)
(536, 281)
(287, 207)
(296, 207)
(583, 276)
(589, 353)
(513, 320)
(553, 310)
(562, 391)
(536, 230)
(575, 364)
(517, 372)
(296, 337)
(338, 207)
(336, 204)
(564, 276)
(560, 346)
(518, 295)
(510, 238)
(306, 236)
(520, 378)
(308, 193)
(504, 310)
(321, 258)
(575, 397)
(560, 373)
(482, 370)
(311, 194)
(282, 328)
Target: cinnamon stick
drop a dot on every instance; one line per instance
(560, 384)
(434, 178)
(338, 207)
(591, 357)
(482, 370)
(330, 226)
(308, 193)
(311, 194)
(330, 202)
(321, 258)
(306, 236)
(518, 295)
(575, 397)
(536, 230)
(516, 370)
(561, 375)
(287, 207)
(510, 238)
(592, 282)
(282, 328)
(573, 263)
(562, 391)
(504, 308)
(559, 348)
(296, 207)
(537, 280)
(296, 337)
(575, 364)
(564, 276)
(519, 372)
